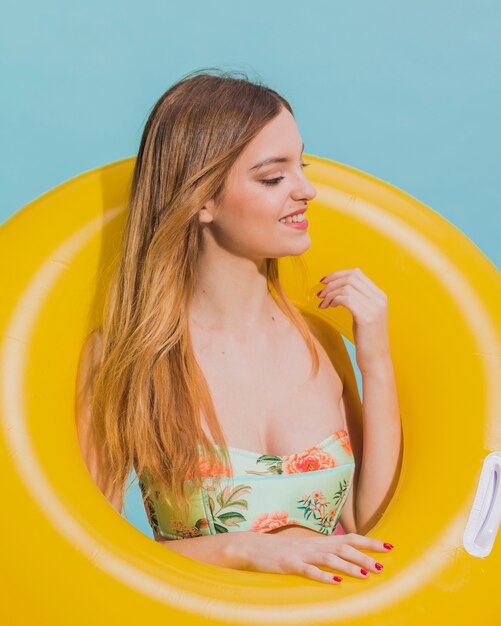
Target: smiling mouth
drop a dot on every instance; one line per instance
(293, 219)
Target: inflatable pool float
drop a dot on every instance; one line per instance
(69, 558)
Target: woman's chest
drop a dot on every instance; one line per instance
(266, 399)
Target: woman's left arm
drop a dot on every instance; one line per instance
(381, 444)
(381, 416)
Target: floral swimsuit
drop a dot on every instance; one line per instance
(264, 492)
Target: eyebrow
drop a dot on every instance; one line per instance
(272, 160)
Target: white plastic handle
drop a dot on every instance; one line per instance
(485, 514)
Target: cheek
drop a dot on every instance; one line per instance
(251, 214)
(257, 206)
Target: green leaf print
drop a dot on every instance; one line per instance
(317, 506)
(239, 488)
(232, 518)
(211, 505)
(274, 465)
(225, 499)
(338, 496)
(152, 515)
(219, 528)
(240, 504)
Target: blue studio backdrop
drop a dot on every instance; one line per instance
(409, 92)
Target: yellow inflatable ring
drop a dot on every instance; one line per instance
(69, 558)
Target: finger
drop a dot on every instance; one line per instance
(336, 299)
(363, 542)
(359, 558)
(360, 310)
(329, 293)
(332, 275)
(348, 297)
(356, 282)
(315, 573)
(337, 562)
(357, 276)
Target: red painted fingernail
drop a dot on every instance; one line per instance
(323, 278)
(364, 572)
(338, 579)
(378, 566)
(319, 292)
(388, 546)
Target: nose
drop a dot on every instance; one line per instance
(304, 190)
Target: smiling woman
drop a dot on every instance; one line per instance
(55, 297)
(195, 321)
(187, 337)
(257, 197)
(260, 191)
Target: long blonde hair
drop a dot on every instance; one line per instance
(149, 390)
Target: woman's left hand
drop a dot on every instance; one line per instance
(369, 306)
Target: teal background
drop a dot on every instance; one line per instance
(407, 91)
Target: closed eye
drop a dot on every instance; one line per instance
(275, 181)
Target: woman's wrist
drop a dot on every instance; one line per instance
(235, 550)
(239, 548)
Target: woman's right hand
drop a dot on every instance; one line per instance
(304, 556)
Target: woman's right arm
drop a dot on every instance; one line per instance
(87, 369)
(222, 549)
(282, 554)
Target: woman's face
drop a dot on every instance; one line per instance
(245, 219)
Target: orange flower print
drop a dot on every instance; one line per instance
(318, 495)
(345, 440)
(311, 460)
(210, 469)
(347, 446)
(269, 521)
(340, 434)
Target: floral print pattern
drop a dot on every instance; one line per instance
(209, 469)
(269, 521)
(248, 504)
(316, 505)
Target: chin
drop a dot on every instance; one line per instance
(296, 248)
(301, 245)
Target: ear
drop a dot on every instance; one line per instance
(207, 212)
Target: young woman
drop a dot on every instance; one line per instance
(200, 346)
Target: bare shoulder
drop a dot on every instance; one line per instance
(88, 364)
